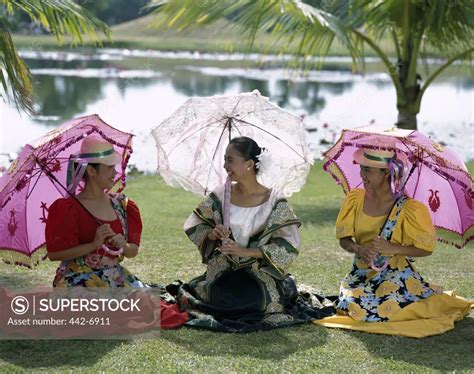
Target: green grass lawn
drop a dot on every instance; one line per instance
(166, 254)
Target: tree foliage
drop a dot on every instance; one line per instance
(412, 27)
(60, 17)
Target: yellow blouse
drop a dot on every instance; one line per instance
(413, 227)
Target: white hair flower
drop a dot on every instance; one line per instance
(264, 161)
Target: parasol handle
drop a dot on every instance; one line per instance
(226, 219)
(111, 252)
(227, 190)
(382, 268)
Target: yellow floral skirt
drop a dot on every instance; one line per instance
(431, 316)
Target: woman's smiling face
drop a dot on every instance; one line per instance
(373, 178)
(235, 165)
(103, 176)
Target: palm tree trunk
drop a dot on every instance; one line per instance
(408, 106)
(406, 119)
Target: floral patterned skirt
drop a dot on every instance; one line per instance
(82, 272)
(78, 272)
(368, 295)
(396, 301)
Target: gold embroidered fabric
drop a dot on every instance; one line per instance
(279, 256)
(200, 233)
(274, 305)
(215, 266)
(281, 214)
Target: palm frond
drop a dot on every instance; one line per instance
(14, 74)
(61, 17)
(445, 26)
(288, 22)
(450, 26)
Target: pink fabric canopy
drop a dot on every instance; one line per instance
(440, 179)
(38, 177)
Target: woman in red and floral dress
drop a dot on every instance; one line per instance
(93, 232)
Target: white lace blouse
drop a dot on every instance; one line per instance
(247, 221)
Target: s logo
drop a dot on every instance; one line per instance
(20, 305)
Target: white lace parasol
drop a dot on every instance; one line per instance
(191, 143)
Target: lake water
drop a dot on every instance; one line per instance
(135, 90)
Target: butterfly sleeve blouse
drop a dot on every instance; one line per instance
(69, 225)
(414, 226)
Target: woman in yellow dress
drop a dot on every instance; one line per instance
(380, 227)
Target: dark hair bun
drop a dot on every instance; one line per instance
(247, 148)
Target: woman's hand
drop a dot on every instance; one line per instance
(220, 232)
(231, 248)
(118, 241)
(367, 253)
(382, 246)
(103, 231)
(385, 247)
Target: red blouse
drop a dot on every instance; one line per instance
(69, 225)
